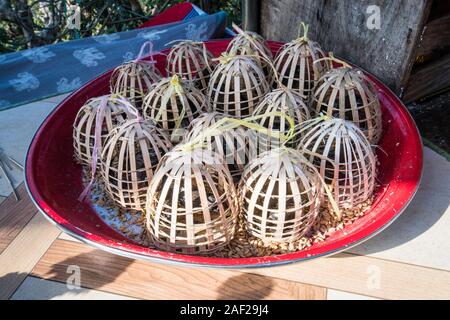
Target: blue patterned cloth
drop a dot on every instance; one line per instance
(37, 73)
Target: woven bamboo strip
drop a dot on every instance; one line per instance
(232, 144)
(236, 86)
(191, 203)
(192, 61)
(280, 196)
(346, 93)
(348, 163)
(115, 113)
(174, 103)
(133, 80)
(250, 43)
(295, 65)
(130, 156)
(285, 101)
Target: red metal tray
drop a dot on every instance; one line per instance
(54, 182)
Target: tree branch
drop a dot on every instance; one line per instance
(6, 12)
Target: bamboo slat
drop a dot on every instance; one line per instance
(248, 43)
(346, 161)
(84, 126)
(130, 155)
(236, 86)
(174, 103)
(232, 145)
(192, 61)
(282, 100)
(297, 67)
(346, 93)
(191, 202)
(279, 195)
(133, 80)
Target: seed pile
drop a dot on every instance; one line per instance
(131, 224)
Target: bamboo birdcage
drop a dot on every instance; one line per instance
(344, 158)
(236, 86)
(174, 103)
(282, 100)
(191, 203)
(191, 60)
(250, 43)
(134, 78)
(232, 144)
(107, 112)
(296, 64)
(280, 195)
(129, 157)
(346, 93)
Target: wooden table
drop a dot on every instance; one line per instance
(409, 260)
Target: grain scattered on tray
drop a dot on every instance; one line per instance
(131, 224)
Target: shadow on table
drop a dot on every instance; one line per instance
(91, 270)
(8, 284)
(428, 206)
(245, 287)
(74, 275)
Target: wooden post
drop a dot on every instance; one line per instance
(250, 9)
(349, 29)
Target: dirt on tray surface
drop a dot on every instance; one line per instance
(433, 119)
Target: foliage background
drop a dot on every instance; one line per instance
(31, 23)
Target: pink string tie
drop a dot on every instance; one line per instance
(100, 114)
(142, 54)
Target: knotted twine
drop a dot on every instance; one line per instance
(204, 51)
(227, 123)
(174, 88)
(99, 117)
(140, 57)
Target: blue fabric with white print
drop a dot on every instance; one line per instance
(37, 73)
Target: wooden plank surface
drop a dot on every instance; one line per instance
(366, 276)
(340, 26)
(436, 37)
(21, 255)
(65, 236)
(14, 215)
(439, 9)
(345, 272)
(107, 272)
(429, 79)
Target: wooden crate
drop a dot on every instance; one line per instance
(410, 52)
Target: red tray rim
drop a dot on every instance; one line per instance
(132, 250)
